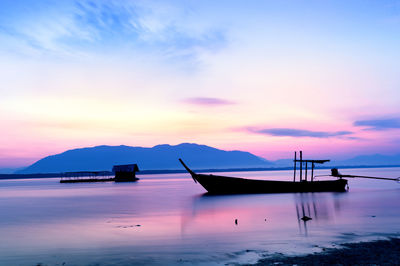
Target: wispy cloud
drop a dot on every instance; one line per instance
(76, 27)
(379, 124)
(291, 132)
(205, 101)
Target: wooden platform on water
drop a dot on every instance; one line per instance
(88, 180)
(94, 176)
(84, 180)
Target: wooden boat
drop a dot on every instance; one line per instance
(216, 184)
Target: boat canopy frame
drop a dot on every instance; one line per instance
(306, 161)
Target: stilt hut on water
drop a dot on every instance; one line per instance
(126, 172)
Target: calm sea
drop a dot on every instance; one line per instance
(168, 219)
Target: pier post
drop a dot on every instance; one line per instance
(306, 170)
(301, 165)
(312, 172)
(294, 168)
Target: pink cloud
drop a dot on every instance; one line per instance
(207, 101)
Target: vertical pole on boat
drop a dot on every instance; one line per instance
(312, 172)
(306, 170)
(301, 165)
(294, 168)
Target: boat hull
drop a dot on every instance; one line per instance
(215, 184)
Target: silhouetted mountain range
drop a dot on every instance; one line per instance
(156, 158)
(165, 157)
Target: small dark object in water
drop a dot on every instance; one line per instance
(265, 219)
(306, 218)
(373, 216)
(236, 221)
(138, 225)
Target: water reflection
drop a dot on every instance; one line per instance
(315, 207)
(100, 221)
(261, 212)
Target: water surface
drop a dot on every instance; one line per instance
(168, 219)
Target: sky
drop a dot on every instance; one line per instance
(268, 77)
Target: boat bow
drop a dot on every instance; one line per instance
(193, 174)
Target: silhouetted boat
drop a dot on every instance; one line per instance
(216, 184)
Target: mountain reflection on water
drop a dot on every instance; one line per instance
(167, 219)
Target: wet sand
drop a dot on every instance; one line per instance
(380, 252)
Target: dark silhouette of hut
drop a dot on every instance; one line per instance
(126, 172)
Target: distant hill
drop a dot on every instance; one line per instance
(10, 170)
(362, 160)
(367, 160)
(160, 157)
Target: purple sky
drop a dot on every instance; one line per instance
(268, 77)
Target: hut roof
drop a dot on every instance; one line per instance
(125, 168)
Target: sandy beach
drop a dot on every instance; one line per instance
(380, 252)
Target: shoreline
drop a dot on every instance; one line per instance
(211, 170)
(376, 252)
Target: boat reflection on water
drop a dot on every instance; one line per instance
(316, 208)
(261, 213)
